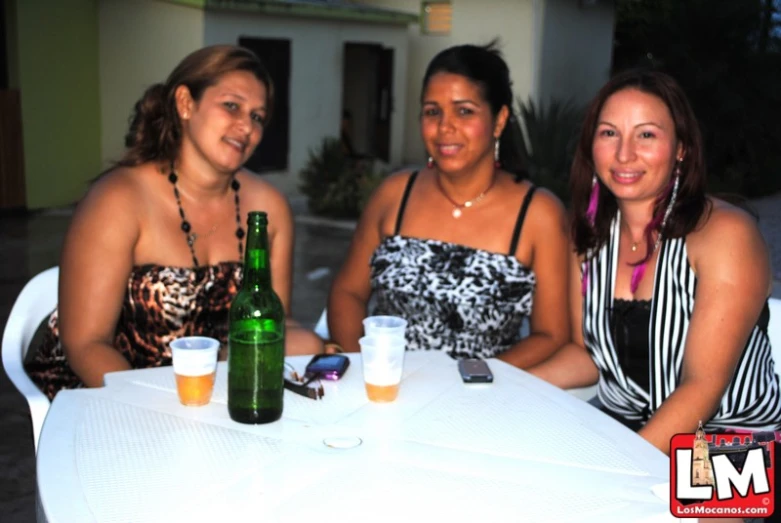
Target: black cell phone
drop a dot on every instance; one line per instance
(327, 366)
(475, 371)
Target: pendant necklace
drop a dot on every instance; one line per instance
(187, 228)
(458, 207)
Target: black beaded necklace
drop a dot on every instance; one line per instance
(187, 228)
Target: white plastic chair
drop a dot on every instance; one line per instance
(321, 328)
(584, 393)
(36, 301)
(774, 332)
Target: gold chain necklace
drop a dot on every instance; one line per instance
(457, 207)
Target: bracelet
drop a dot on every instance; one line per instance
(331, 347)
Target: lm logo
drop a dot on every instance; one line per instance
(722, 475)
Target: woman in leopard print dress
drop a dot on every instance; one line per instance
(153, 251)
(466, 250)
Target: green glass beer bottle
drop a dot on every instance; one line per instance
(256, 338)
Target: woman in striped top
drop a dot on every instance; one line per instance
(669, 286)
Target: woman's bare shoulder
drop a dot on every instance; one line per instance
(257, 194)
(120, 190)
(258, 191)
(547, 203)
(726, 228)
(545, 214)
(387, 196)
(114, 208)
(395, 183)
(724, 218)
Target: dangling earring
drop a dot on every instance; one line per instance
(497, 163)
(593, 200)
(430, 162)
(671, 204)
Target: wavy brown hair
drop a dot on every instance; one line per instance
(691, 203)
(155, 133)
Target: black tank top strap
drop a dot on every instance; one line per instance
(519, 223)
(407, 190)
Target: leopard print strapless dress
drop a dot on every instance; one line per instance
(160, 305)
(467, 302)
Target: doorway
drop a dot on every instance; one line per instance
(367, 99)
(272, 153)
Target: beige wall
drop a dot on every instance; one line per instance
(475, 22)
(576, 49)
(317, 51)
(141, 41)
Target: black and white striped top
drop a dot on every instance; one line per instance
(753, 397)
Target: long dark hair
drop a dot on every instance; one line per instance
(155, 132)
(484, 66)
(691, 203)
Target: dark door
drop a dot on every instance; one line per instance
(384, 103)
(272, 153)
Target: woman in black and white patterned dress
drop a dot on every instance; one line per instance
(464, 249)
(670, 314)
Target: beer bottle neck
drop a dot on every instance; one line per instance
(257, 269)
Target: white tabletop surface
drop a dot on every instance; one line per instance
(516, 450)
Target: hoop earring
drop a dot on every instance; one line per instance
(430, 162)
(497, 163)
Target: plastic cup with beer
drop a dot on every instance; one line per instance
(195, 366)
(375, 326)
(383, 363)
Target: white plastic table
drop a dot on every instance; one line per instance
(515, 450)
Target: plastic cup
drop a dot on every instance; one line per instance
(195, 366)
(383, 363)
(376, 326)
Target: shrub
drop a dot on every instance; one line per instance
(551, 134)
(337, 185)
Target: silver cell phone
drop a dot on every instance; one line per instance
(475, 371)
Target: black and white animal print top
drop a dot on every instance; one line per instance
(468, 302)
(752, 399)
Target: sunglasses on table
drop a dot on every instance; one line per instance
(308, 386)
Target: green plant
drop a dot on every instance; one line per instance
(337, 185)
(368, 183)
(550, 135)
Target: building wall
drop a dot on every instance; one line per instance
(474, 22)
(11, 43)
(57, 75)
(141, 41)
(316, 70)
(576, 51)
